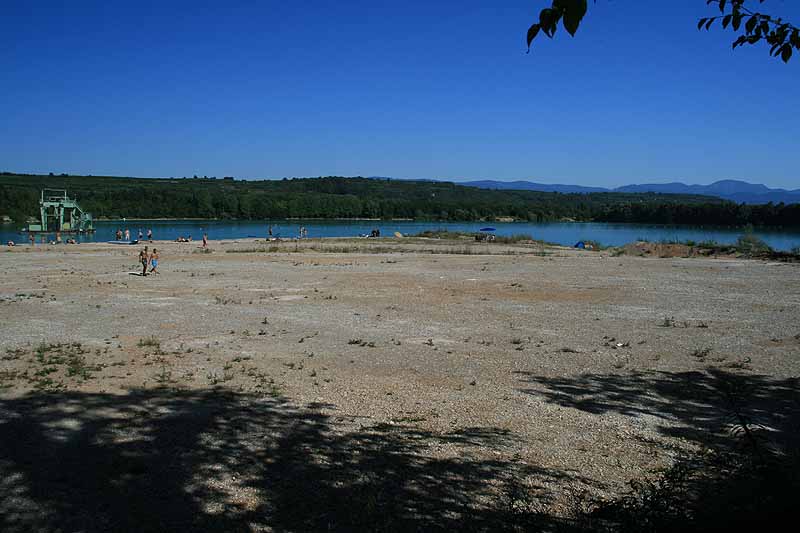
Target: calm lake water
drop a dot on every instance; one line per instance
(565, 233)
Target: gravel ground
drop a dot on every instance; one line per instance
(421, 382)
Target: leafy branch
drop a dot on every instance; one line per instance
(570, 11)
(753, 26)
(783, 36)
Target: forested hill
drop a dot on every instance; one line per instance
(338, 197)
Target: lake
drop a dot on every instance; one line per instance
(565, 233)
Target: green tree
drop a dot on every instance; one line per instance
(203, 205)
(737, 15)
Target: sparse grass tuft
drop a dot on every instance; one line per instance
(149, 342)
(361, 342)
(669, 322)
(701, 353)
(164, 377)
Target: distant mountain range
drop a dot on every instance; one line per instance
(734, 190)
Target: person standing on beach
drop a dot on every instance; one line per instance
(150, 234)
(205, 240)
(127, 234)
(140, 234)
(144, 258)
(269, 231)
(154, 262)
(32, 238)
(118, 234)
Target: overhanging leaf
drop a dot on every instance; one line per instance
(737, 20)
(533, 31)
(726, 20)
(786, 53)
(751, 24)
(574, 11)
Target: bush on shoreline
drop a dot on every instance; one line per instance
(464, 235)
(746, 245)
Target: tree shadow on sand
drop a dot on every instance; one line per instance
(745, 471)
(164, 460)
(703, 407)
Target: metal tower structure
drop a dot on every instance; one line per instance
(58, 212)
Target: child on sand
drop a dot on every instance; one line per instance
(154, 262)
(143, 258)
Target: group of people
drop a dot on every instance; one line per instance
(302, 233)
(127, 234)
(32, 240)
(189, 239)
(146, 258)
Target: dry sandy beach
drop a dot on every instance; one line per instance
(379, 385)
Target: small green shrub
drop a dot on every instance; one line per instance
(750, 244)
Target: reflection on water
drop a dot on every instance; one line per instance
(565, 233)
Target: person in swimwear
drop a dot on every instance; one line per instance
(154, 262)
(143, 258)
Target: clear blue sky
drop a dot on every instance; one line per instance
(413, 88)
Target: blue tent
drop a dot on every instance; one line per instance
(580, 244)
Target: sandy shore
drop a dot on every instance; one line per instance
(416, 380)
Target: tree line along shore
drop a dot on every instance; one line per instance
(110, 197)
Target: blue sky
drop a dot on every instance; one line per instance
(419, 88)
